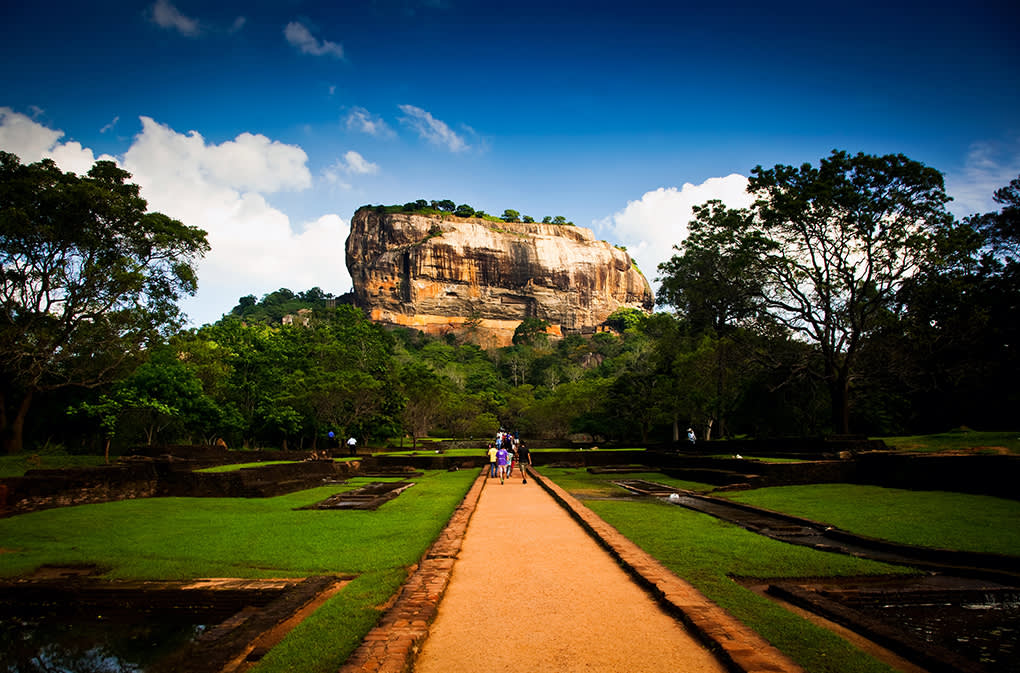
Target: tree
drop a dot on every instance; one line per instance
(837, 243)
(530, 331)
(951, 345)
(510, 216)
(87, 277)
(713, 284)
(464, 210)
(423, 391)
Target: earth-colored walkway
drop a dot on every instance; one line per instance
(531, 591)
(523, 579)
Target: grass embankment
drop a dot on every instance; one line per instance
(240, 466)
(963, 439)
(925, 518)
(171, 538)
(710, 553)
(18, 465)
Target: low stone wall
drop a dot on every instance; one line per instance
(174, 474)
(44, 489)
(996, 475)
(807, 448)
(253, 482)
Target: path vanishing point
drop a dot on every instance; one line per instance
(526, 578)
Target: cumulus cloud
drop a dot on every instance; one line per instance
(652, 225)
(32, 141)
(165, 15)
(222, 188)
(352, 163)
(358, 165)
(987, 167)
(299, 36)
(432, 129)
(361, 120)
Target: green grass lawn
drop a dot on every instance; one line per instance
(238, 466)
(18, 465)
(926, 518)
(709, 553)
(172, 538)
(957, 440)
(581, 483)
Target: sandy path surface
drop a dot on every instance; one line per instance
(531, 591)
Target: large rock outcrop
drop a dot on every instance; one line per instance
(442, 274)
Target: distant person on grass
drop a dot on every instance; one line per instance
(352, 445)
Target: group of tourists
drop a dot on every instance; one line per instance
(508, 450)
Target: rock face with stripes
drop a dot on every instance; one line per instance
(481, 279)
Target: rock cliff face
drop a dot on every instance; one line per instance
(471, 275)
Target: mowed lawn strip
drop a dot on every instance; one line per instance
(180, 538)
(710, 553)
(937, 519)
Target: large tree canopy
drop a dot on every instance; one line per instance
(840, 240)
(87, 276)
(713, 282)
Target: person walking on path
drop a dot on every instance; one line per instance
(523, 458)
(501, 458)
(492, 460)
(582, 611)
(511, 460)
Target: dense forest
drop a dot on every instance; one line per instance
(846, 300)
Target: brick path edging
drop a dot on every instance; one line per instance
(737, 646)
(391, 646)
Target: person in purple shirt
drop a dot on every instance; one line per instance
(501, 459)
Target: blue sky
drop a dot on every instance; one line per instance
(270, 123)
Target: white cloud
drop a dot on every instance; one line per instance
(299, 36)
(220, 188)
(334, 176)
(109, 127)
(238, 24)
(364, 121)
(32, 141)
(432, 129)
(651, 226)
(988, 166)
(352, 163)
(165, 15)
(358, 165)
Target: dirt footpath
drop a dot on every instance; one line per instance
(532, 591)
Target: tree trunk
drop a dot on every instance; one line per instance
(839, 389)
(13, 430)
